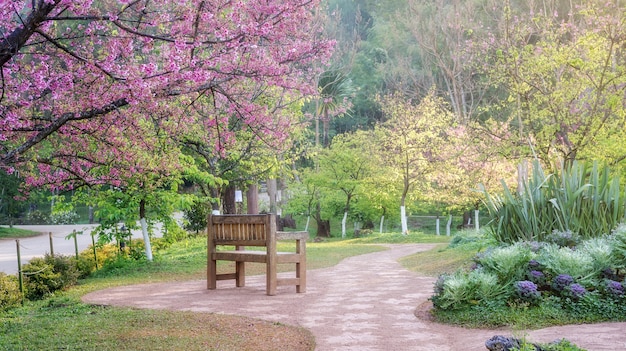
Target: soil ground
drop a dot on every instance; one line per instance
(367, 302)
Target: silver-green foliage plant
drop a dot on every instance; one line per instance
(580, 199)
(460, 289)
(509, 263)
(564, 260)
(619, 246)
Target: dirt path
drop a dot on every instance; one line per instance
(364, 303)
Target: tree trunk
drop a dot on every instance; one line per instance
(215, 204)
(405, 227)
(343, 224)
(271, 192)
(252, 197)
(228, 200)
(144, 229)
(323, 228)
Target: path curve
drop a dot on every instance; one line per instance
(364, 303)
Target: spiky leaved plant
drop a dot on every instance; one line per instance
(580, 199)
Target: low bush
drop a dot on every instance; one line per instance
(560, 345)
(10, 294)
(44, 276)
(64, 217)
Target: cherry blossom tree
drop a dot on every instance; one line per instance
(86, 86)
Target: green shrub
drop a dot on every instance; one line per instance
(10, 294)
(595, 307)
(196, 216)
(86, 263)
(600, 250)
(44, 276)
(37, 217)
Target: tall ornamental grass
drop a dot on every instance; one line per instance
(580, 199)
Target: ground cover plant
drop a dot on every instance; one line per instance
(541, 272)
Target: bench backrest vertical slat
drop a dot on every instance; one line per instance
(256, 229)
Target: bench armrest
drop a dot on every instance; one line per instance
(292, 235)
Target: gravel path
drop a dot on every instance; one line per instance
(366, 302)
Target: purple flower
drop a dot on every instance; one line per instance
(527, 290)
(562, 281)
(534, 264)
(537, 274)
(577, 290)
(615, 288)
(537, 277)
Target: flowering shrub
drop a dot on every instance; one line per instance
(527, 291)
(64, 217)
(585, 283)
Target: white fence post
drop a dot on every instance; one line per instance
(476, 213)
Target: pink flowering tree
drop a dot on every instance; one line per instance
(98, 92)
(87, 88)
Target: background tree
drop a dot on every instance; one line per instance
(344, 166)
(563, 73)
(412, 138)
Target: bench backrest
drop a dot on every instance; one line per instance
(242, 230)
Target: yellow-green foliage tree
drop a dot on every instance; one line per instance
(562, 76)
(413, 136)
(345, 165)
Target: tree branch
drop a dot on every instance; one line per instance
(12, 156)
(11, 44)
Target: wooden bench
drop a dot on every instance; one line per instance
(253, 230)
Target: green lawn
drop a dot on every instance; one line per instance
(7, 233)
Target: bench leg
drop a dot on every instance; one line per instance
(240, 274)
(272, 279)
(212, 275)
(301, 266)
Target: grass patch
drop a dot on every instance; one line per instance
(9, 233)
(441, 259)
(67, 324)
(398, 238)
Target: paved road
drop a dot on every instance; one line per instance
(38, 246)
